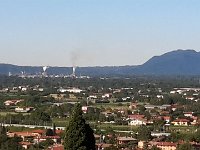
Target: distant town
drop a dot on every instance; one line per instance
(132, 113)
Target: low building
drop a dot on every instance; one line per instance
(102, 146)
(125, 140)
(74, 90)
(160, 134)
(23, 109)
(181, 122)
(56, 139)
(166, 145)
(137, 122)
(58, 96)
(72, 96)
(188, 114)
(24, 135)
(133, 105)
(26, 145)
(141, 144)
(56, 147)
(167, 119)
(12, 102)
(135, 116)
(107, 95)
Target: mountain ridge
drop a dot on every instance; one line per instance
(176, 62)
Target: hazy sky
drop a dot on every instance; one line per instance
(95, 32)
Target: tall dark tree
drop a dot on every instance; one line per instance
(7, 143)
(49, 132)
(78, 134)
(144, 133)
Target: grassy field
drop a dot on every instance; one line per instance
(12, 113)
(61, 122)
(118, 127)
(183, 129)
(113, 105)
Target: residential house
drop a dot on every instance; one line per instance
(12, 102)
(125, 140)
(166, 145)
(194, 120)
(141, 144)
(188, 114)
(56, 147)
(74, 90)
(137, 122)
(40, 132)
(26, 136)
(102, 146)
(84, 109)
(181, 122)
(135, 116)
(58, 96)
(167, 119)
(26, 145)
(56, 139)
(23, 109)
(133, 106)
(107, 95)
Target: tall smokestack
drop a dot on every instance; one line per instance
(74, 71)
(45, 70)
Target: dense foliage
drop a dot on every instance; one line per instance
(78, 134)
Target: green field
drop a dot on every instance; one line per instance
(183, 129)
(61, 122)
(113, 105)
(11, 113)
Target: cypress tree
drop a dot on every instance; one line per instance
(78, 134)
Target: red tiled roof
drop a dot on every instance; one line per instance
(166, 117)
(181, 120)
(50, 137)
(166, 144)
(136, 116)
(25, 143)
(38, 131)
(25, 134)
(59, 131)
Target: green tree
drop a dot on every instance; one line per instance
(111, 148)
(155, 148)
(49, 132)
(7, 143)
(185, 146)
(45, 144)
(197, 135)
(78, 134)
(141, 109)
(144, 133)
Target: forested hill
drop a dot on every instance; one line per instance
(178, 62)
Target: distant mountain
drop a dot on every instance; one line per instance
(178, 62)
(85, 71)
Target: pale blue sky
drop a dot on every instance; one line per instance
(95, 32)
